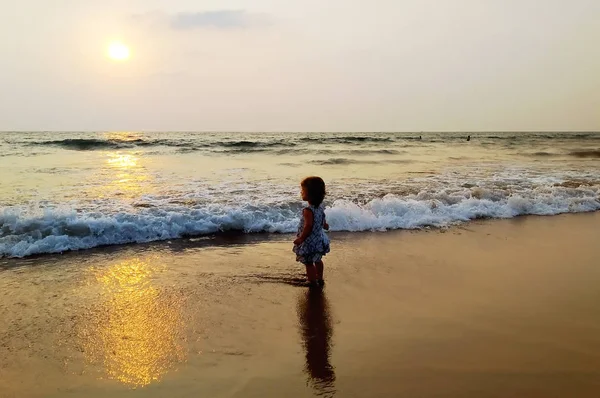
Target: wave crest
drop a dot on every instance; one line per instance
(24, 233)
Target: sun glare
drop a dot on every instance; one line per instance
(118, 51)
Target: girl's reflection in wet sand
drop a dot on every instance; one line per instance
(316, 330)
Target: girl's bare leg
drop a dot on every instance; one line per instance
(311, 272)
(319, 269)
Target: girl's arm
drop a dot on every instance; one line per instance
(325, 225)
(308, 225)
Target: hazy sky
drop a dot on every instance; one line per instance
(282, 65)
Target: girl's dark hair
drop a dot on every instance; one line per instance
(315, 188)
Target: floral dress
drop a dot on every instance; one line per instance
(316, 245)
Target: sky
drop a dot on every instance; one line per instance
(276, 65)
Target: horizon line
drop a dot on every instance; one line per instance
(301, 131)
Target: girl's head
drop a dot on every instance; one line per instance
(313, 190)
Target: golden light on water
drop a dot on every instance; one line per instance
(137, 333)
(124, 177)
(122, 161)
(118, 51)
(123, 173)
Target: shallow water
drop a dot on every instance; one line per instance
(69, 191)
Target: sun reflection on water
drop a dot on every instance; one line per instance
(124, 136)
(122, 161)
(137, 332)
(121, 173)
(124, 176)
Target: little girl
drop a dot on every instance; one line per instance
(312, 243)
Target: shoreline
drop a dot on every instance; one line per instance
(236, 237)
(490, 308)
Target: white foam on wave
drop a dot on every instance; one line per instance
(59, 231)
(24, 233)
(392, 212)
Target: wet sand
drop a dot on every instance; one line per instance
(489, 309)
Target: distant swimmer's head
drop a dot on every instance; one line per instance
(313, 190)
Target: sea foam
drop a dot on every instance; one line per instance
(25, 232)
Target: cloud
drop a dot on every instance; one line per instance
(223, 19)
(218, 19)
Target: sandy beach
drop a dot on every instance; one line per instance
(498, 308)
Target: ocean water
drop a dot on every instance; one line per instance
(65, 191)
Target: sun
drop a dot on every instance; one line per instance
(118, 51)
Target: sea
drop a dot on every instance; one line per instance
(64, 191)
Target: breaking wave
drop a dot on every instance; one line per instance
(24, 232)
